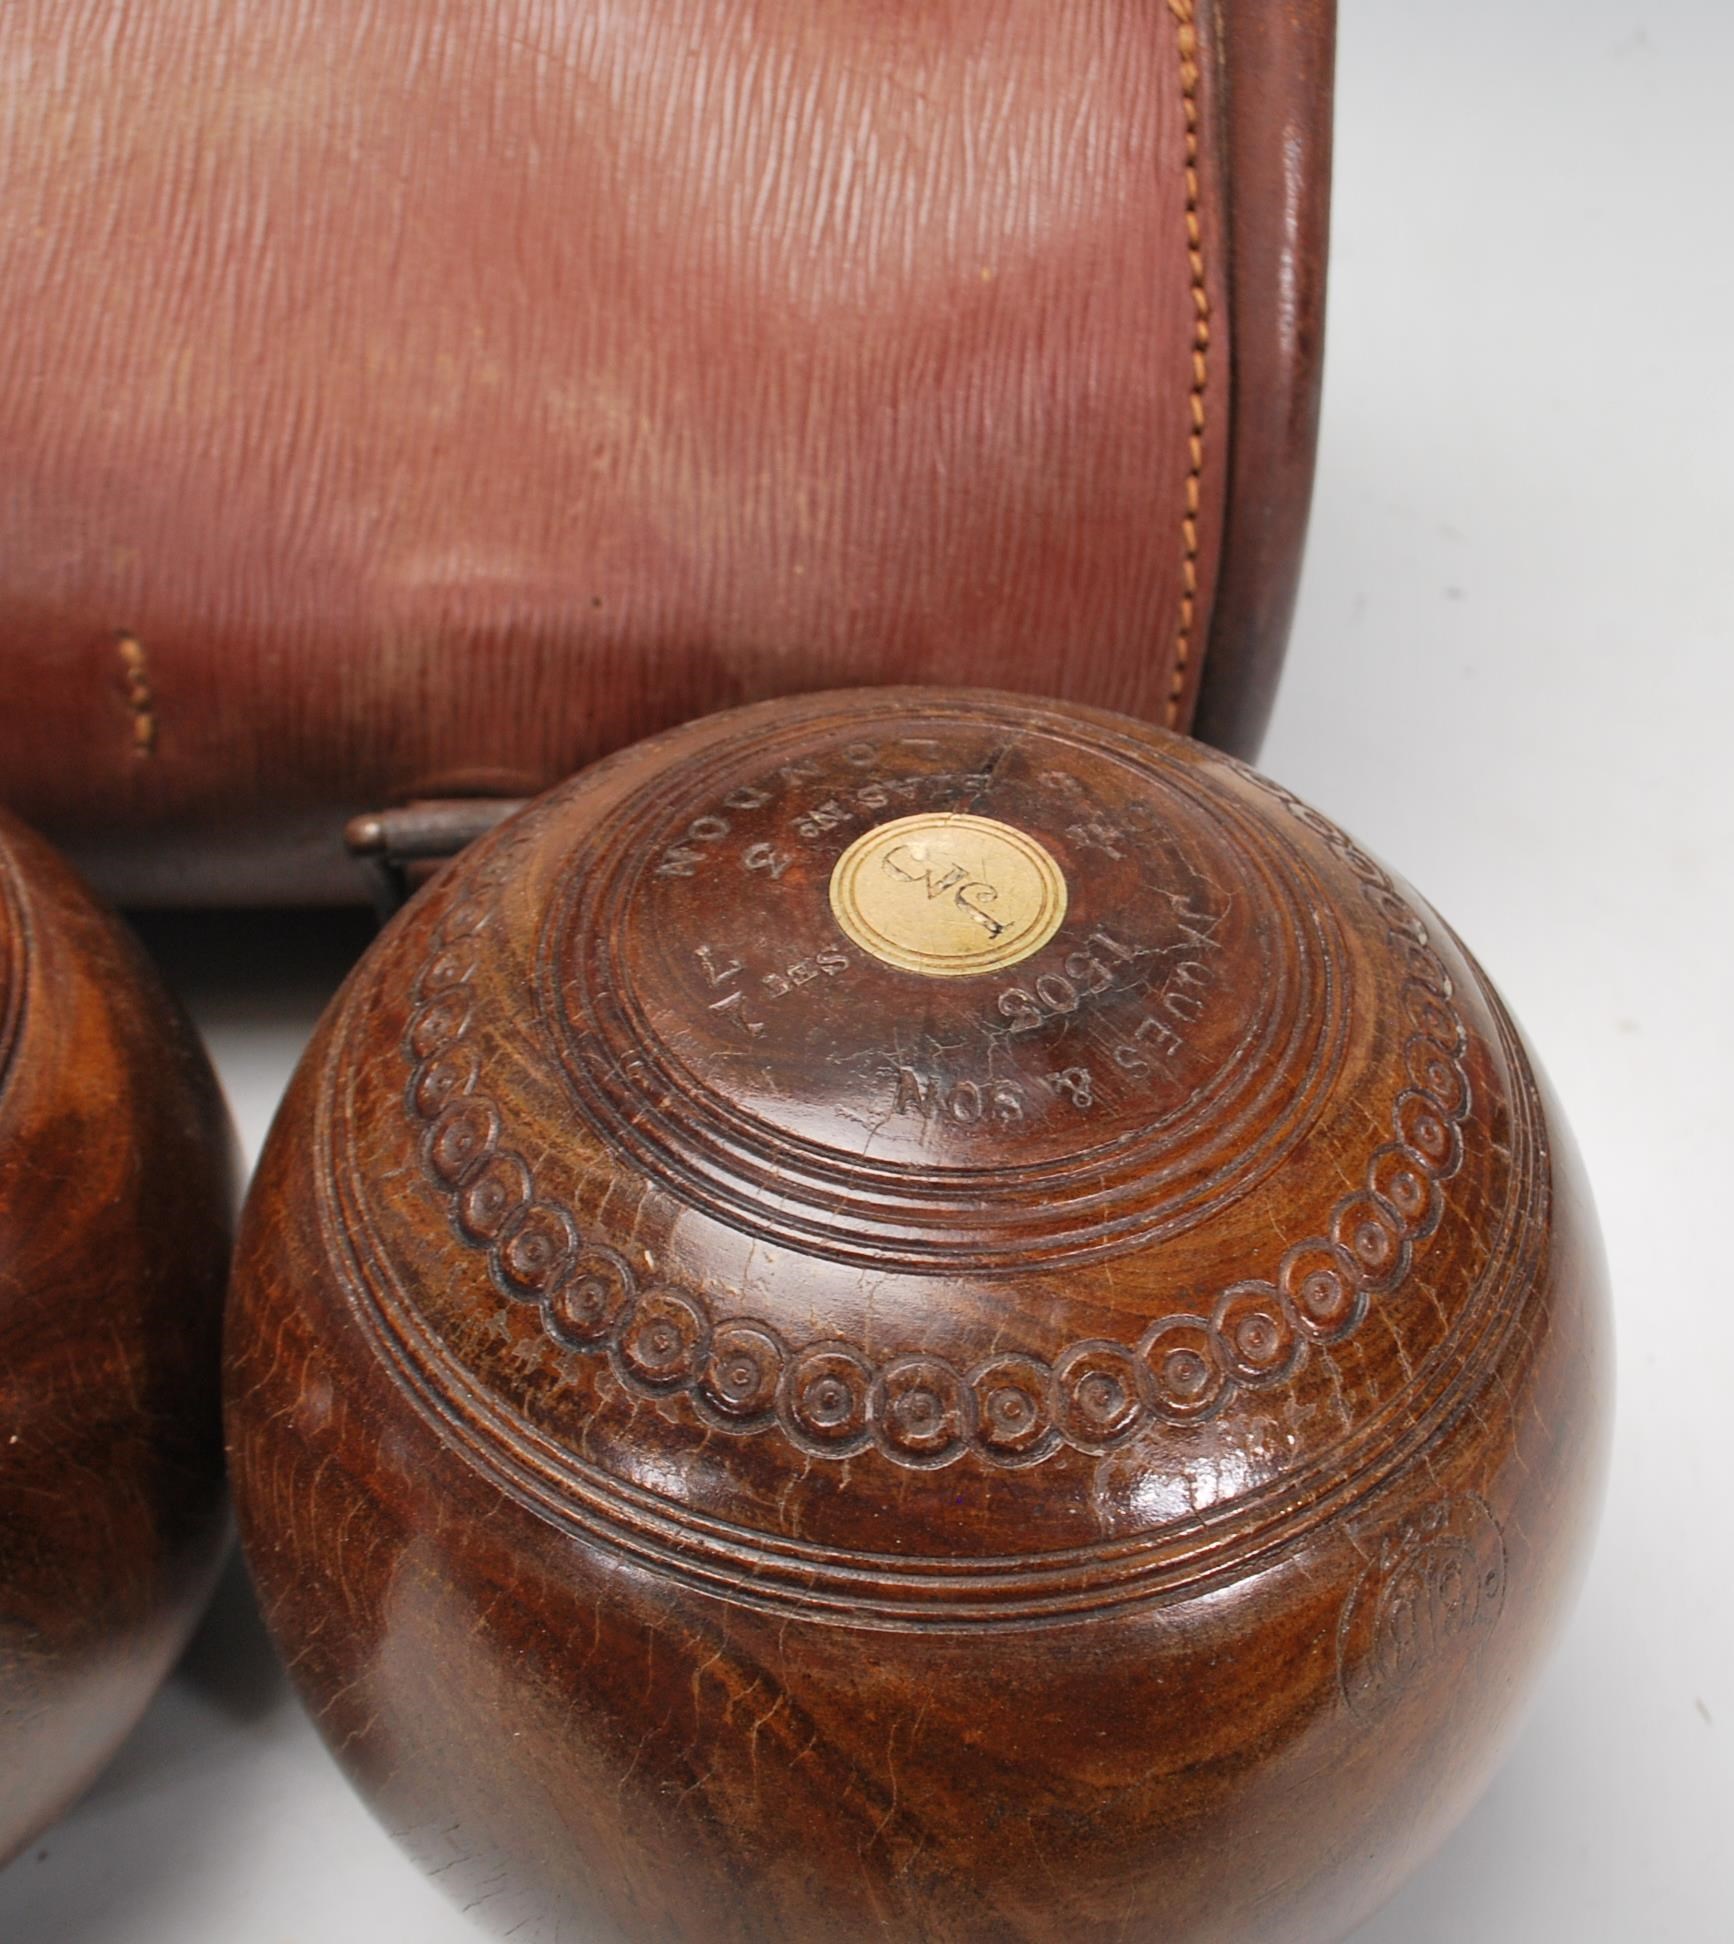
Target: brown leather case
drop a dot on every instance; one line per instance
(419, 401)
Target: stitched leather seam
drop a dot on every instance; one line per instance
(139, 700)
(1187, 34)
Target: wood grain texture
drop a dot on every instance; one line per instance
(117, 1187)
(420, 401)
(738, 1439)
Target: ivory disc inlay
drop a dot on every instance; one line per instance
(947, 895)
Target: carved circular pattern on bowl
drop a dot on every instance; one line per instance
(1164, 1049)
(831, 1400)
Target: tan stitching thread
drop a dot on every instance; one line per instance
(1183, 12)
(138, 695)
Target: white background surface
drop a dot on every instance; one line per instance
(1513, 677)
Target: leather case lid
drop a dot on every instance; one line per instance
(423, 401)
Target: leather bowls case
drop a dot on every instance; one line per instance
(419, 401)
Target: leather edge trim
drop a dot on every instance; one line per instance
(1277, 66)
